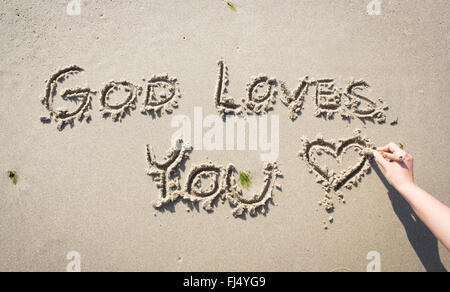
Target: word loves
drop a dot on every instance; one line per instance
(160, 96)
(262, 92)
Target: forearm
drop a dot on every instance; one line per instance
(431, 211)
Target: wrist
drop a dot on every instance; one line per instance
(405, 187)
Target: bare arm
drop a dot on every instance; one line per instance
(434, 214)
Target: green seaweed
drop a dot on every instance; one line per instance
(232, 7)
(12, 176)
(401, 146)
(246, 179)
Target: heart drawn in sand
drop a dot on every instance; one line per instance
(329, 178)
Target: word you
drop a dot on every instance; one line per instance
(207, 182)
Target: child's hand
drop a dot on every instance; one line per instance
(398, 174)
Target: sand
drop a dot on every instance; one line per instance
(83, 181)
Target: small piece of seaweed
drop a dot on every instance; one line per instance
(12, 176)
(401, 146)
(232, 7)
(246, 179)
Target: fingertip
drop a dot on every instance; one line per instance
(380, 159)
(394, 147)
(385, 148)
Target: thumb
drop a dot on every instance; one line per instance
(380, 159)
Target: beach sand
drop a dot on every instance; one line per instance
(86, 189)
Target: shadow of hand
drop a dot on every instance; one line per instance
(422, 240)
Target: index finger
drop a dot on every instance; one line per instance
(380, 160)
